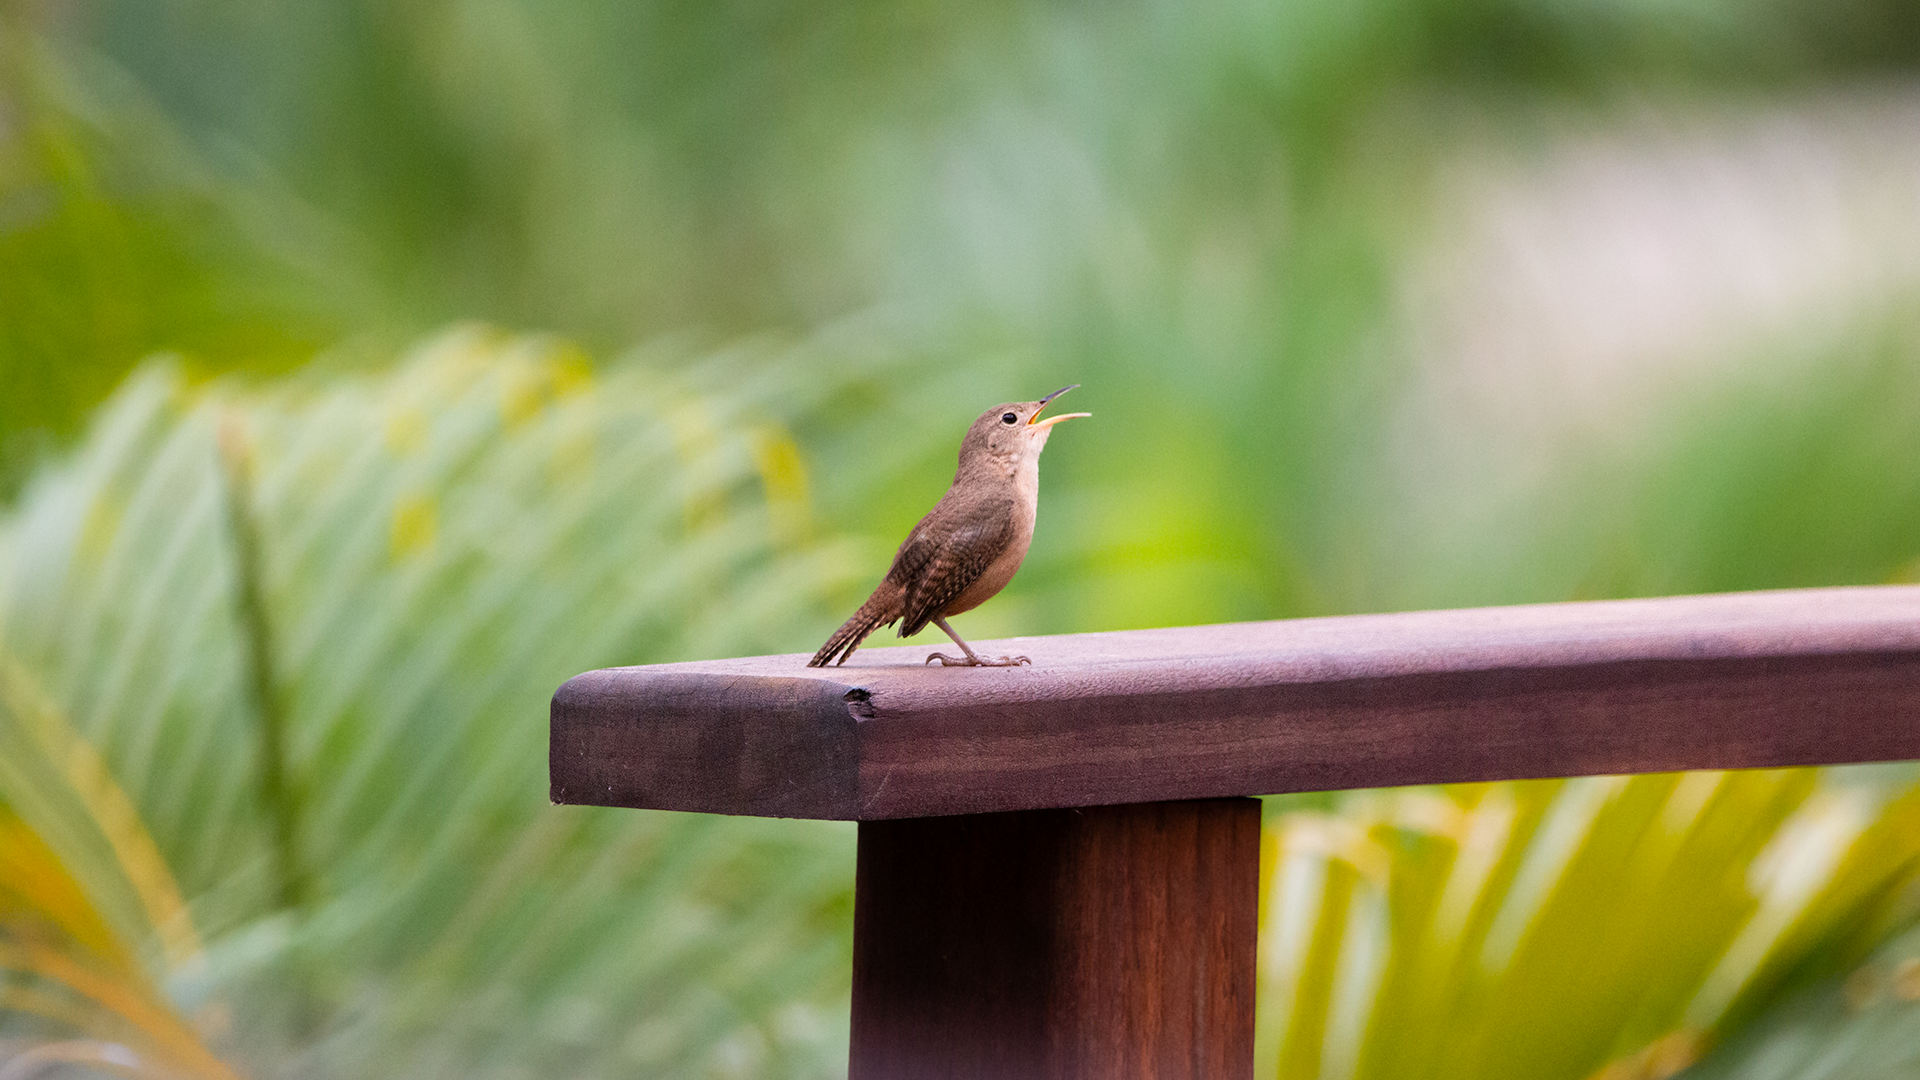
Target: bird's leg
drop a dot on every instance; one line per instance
(973, 659)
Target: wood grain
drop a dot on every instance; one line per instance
(1730, 681)
(1107, 943)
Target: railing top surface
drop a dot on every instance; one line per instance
(1725, 681)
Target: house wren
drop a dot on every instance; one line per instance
(969, 546)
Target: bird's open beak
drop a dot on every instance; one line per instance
(1036, 423)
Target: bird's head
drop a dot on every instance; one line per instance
(1014, 431)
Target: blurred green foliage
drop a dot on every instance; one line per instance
(1570, 927)
(300, 589)
(1201, 212)
(1855, 1023)
(311, 630)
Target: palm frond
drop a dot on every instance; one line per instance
(73, 987)
(432, 551)
(1548, 928)
(1852, 1023)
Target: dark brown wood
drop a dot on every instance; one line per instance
(1107, 942)
(1731, 681)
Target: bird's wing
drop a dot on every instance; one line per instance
(940, 558)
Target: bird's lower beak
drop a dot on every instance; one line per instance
(1036, 423)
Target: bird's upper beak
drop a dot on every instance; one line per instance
(1036, 423)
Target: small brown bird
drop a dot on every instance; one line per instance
(969, 546)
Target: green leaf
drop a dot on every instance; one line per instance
(1549, 928)
(430, 552)
(1857, 1024)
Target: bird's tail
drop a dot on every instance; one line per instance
(880, 609)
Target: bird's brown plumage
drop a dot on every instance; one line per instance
(940, 560)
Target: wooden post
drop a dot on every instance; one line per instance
(1036, 897)
(1105, 942)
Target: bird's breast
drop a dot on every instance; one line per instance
(1002, 568)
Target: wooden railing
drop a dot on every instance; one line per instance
(1058, 865)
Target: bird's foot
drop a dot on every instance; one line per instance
(974, 661)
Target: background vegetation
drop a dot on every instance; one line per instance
(367, 369)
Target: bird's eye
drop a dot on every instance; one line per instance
(1008, 418)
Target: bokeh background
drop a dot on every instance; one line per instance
(367, 369)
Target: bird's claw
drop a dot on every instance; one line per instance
(974, 661)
